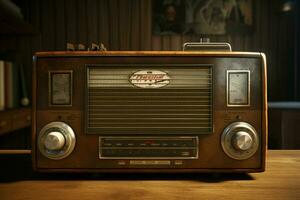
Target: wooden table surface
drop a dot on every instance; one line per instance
(280, 181)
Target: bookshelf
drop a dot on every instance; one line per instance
(15, 121)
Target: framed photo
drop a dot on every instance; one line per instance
(202, 17)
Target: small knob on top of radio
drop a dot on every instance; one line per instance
(54, 141)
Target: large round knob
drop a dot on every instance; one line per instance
(54, 141)
(239, 140)
(242, 141)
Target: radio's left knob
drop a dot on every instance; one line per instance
(56, 140)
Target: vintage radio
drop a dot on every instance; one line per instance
(149, 111)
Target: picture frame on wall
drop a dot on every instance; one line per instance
(202, 17)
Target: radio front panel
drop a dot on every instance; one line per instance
(149, 111)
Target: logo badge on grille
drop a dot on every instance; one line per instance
(150, 79)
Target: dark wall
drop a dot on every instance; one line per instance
(126, 25)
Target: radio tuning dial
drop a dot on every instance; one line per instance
(56, 140)
(240, 140)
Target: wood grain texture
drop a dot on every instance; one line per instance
(176, 43)
(113, 9)
(124, 31)
(60, 37)
(91, 14)
(82, 21)
(145, 27)
(280, 181)
(15, 119)
(15, 151)
(141, 53)
(135, 25)
(71, 22)
(103, 23)
(156, 43)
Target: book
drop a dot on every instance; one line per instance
(8, 68)
(13, 88)
(16, 85)
(12, 85)
(23, 93)
(2, 85)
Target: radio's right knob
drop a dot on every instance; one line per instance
(240, 140)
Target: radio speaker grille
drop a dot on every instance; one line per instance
(116, 106)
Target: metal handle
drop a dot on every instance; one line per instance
(206, 46)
